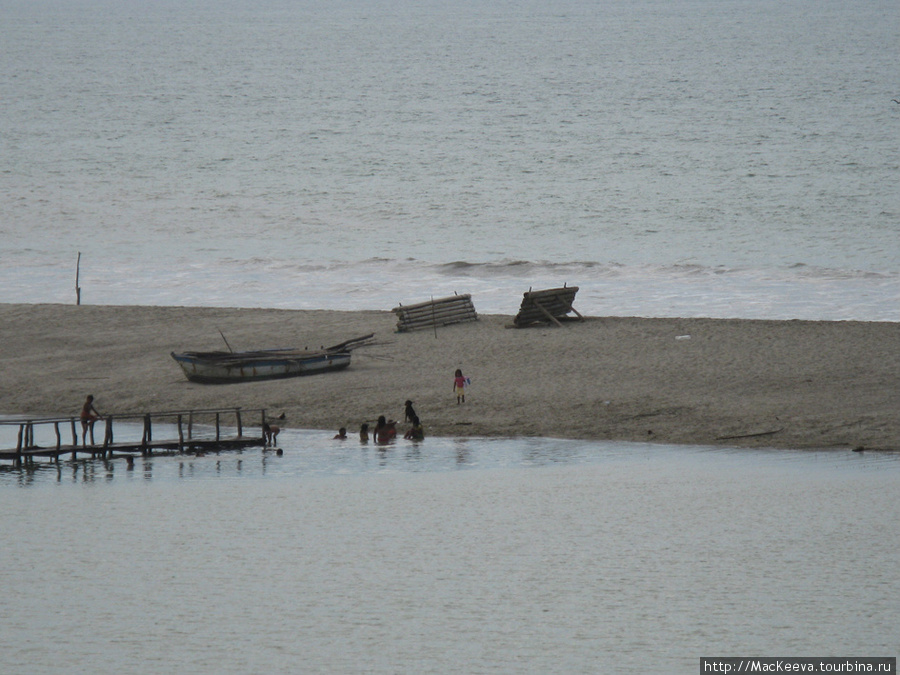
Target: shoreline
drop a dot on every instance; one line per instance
(728, 382)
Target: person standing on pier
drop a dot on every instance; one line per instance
(89, 416)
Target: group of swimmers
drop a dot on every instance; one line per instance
(385, 430)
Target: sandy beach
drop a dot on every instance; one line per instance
(797, 384)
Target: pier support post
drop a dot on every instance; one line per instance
(147, 436)
(108, 437)
(74, 439)
(58, 442)
(19, 440)
(29, 433)
(90, 428)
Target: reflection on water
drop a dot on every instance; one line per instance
(310, 453)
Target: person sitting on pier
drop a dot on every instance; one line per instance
(270, 434)
(89, 416)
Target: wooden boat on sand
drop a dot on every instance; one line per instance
(265, 364)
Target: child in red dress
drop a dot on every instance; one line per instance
(459, 386)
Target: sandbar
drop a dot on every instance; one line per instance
(733, 382)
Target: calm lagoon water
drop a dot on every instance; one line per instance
(451, 555)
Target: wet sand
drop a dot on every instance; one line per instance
(797, 384)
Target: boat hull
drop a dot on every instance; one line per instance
(216, 369)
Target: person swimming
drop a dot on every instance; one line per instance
(385, 430)
(416, 432)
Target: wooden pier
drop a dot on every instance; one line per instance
(183, 436)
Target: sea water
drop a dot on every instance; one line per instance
(689, 158)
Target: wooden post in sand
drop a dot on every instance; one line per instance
(433, 317)
(77, 275)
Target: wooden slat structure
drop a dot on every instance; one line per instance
(549, 306)
(440, 312)
(180, 421)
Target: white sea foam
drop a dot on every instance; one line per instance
(496, 288)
